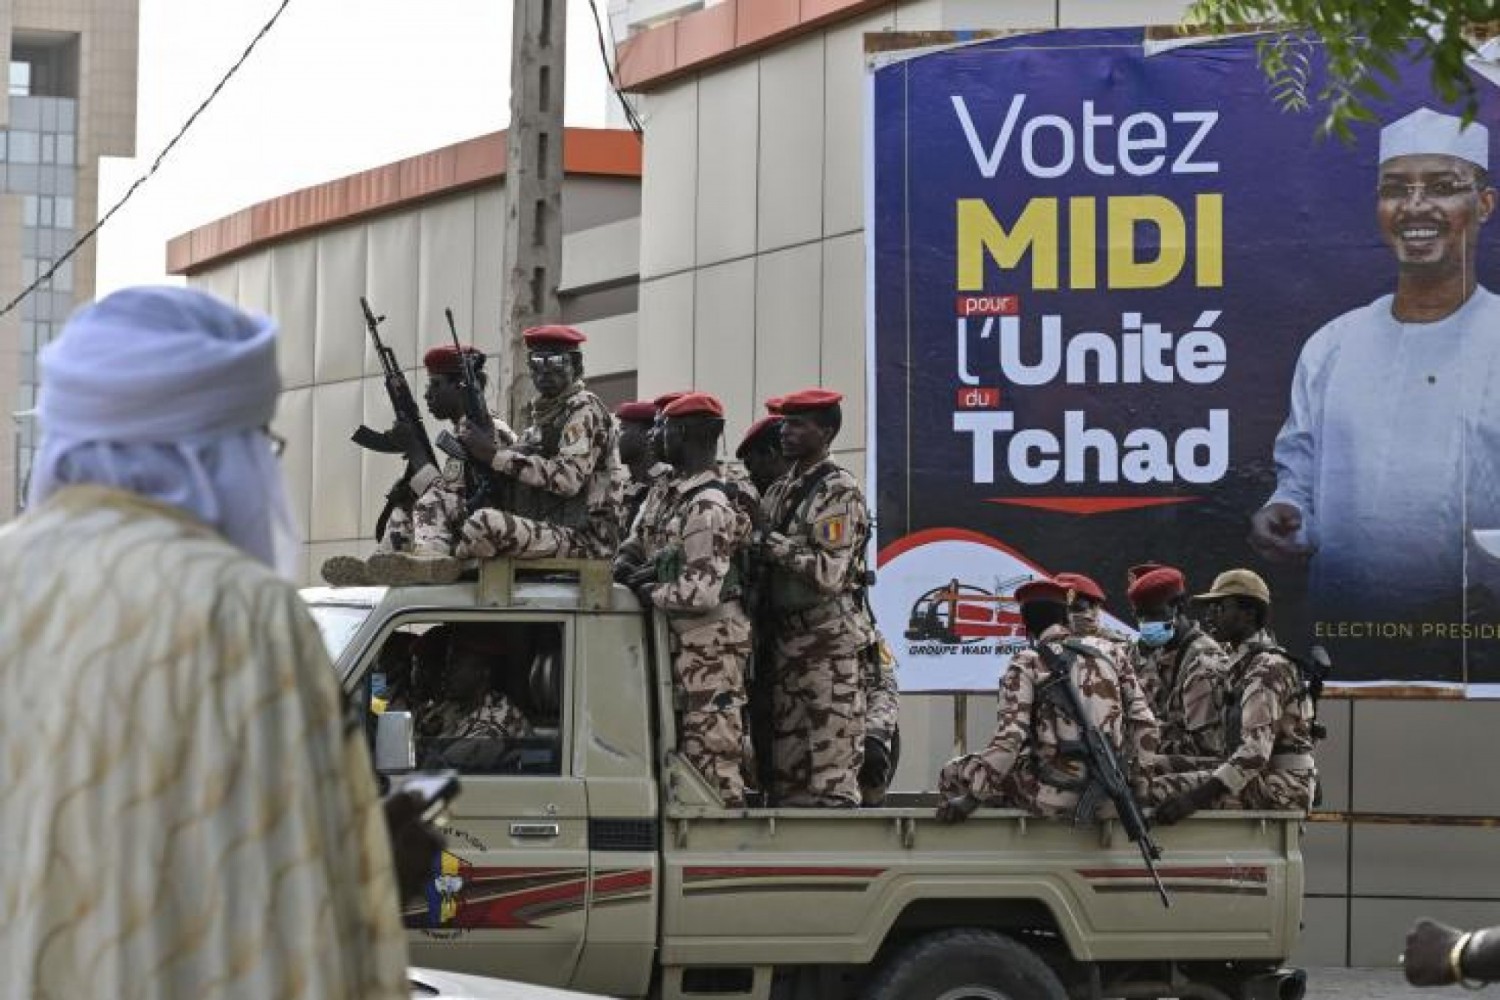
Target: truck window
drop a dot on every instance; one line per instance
(485, 697)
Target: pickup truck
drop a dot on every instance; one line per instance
(587, 854)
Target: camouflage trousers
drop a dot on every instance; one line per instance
(488, 533)
(818, 717)
(708, 665)
(1276, 789)
(435, 519)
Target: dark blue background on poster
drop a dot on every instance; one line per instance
(1300, 246)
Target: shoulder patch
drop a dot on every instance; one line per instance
(832, 530)
(572, 433)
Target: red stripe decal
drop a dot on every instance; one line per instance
(1237, 874)
(1088, 506)
(738, 872)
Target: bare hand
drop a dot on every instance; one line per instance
(1273, 533)
(1428, 945)
(414, 844)
(479, 442)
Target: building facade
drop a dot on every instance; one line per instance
(72, 99)
(753, 282)
(415, 237)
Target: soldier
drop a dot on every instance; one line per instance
(1183, 671)
(811, 549)
(1025, 766)
(440, 503)
(1268, 720)
(473, 725)
(681, 562)
(555, 483)
(637, 468)
(760, 453)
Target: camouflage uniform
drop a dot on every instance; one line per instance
(813, 555)
(629, 493)
(882, 705)
(442, 501)
(1271, 714)
(1021, 767)
(453, 736)
(582, 464)
(691, 534)
(1186, 683)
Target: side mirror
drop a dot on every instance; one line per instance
(395, 749)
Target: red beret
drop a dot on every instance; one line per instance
(661, 402)
(808, 400)
(695, 404)
(773, 405)
(1081, 585)
(639, 412)
(1157, 586)
(763, 426)
(1041, 589)
(1139, 570)
(444, 360)
(554, 335)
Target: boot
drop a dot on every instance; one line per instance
(346, 571)
(402, 569)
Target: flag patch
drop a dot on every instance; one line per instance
(832, 531)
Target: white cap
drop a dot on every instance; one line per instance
(1425, 131)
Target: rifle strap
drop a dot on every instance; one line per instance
(799, 499)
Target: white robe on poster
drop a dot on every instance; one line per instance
(184, 812)
(1391, 451)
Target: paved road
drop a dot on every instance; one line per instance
(1373, 984)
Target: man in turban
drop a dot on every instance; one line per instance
(185, 812)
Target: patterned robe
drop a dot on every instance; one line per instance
(185, 812)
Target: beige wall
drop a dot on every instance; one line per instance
(411, 263)
(753, 283)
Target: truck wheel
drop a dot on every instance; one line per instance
(966, 965)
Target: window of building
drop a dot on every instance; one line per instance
(25, 147)
(485, 697)
(20, 78)
(62, 216)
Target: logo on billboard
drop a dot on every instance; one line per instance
(959, 613)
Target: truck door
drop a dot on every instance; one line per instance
(509, 895)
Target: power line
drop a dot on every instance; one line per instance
(155, 165)
(609, 71)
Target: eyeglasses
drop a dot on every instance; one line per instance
(549, 362)
(278, 443)
(1430, 190)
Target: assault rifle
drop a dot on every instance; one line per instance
(407, 412)
(478, 480)
(1105, 776)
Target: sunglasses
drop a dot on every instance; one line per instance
(549, 362)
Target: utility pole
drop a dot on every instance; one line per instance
(533, 189)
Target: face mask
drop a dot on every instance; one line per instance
(1155, 634)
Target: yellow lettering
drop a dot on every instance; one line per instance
(1082, 256)
(1125, 214)
(981, 234)
(1210, 240)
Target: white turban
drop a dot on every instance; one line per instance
(1427, 131)
(165, 391)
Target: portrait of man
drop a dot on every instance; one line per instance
(1388, 464)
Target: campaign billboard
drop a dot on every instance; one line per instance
(1125, 308)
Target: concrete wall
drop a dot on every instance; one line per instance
(411, 263)
(753, 283)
